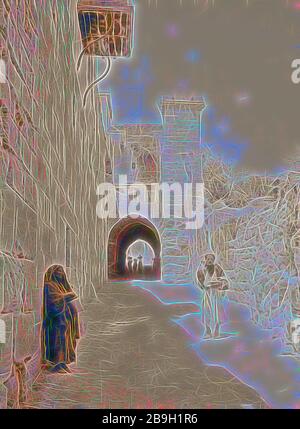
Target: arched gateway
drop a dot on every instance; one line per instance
(126, 232)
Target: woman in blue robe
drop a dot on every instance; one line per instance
(60, 329)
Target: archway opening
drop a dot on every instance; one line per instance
(134, 238)
(140, 259)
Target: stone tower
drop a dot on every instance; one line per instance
(181, 163)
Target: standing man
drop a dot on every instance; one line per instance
(129, 264)
(140, 265)
(135, 265)
(212, 281)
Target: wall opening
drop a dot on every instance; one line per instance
(124, 239)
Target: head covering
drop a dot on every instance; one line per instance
(56, 274)
(207, 255)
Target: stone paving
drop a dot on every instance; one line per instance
(132, 356)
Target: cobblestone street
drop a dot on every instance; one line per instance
(131, 356)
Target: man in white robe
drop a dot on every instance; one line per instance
(213, 282)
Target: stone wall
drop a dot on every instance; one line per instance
(50, 165)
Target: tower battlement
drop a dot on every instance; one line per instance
(171, 107)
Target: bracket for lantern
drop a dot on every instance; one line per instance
(106, 28)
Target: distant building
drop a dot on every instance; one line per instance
(148, 154)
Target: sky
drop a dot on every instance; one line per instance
(236, 53)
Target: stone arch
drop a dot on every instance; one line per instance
(123, 234)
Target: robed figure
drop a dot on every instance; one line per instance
(60, 329)
(213, 282)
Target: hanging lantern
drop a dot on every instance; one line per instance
(106, 27)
